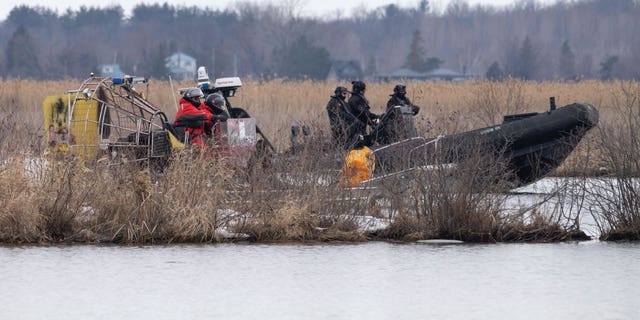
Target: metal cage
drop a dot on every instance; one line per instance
(111, 119)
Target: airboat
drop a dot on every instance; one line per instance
(108, 120)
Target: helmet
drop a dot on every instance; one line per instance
(340, 90)
(358, 86)
(193, 93)
(400, 89)
(216, 102)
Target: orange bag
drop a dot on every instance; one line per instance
(359, 165)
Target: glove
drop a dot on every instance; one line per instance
(221, 118)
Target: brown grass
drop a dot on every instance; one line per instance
(290, 222)
(197, 196)
(445, 106)
(20, 219)
(616, 196)
(456, 204)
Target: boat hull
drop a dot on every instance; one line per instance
(529, 145)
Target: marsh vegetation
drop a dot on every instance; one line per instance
(198, 199)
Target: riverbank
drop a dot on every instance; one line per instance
(47, 202)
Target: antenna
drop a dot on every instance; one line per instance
(174, 93)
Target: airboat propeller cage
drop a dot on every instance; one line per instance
(107, 118)
(227, 86)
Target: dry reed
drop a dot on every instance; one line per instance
(20, 219)
(279, 104)
(615, 197)
(198, 196)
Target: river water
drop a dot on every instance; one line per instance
(377, 280)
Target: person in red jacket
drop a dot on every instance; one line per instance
(194, 117)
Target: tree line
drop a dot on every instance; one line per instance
(570, 40)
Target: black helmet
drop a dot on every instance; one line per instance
(358, 86)
(216, 102)
(340, 90)
(400, 89)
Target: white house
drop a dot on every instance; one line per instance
(181, 66)
(109, 70)
(436, 74)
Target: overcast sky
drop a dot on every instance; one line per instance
(309, 7)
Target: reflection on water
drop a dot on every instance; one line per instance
(365, 281)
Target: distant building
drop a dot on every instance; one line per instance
(109, 70)
(404, 74)
(441, 74)
(446, 74)
(181, 66)
(345, 70)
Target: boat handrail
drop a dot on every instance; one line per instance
(434, 141)
(396, 143)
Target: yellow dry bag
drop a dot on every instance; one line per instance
(359, 165)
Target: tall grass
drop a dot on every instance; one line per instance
(615, 197)
(20, 219)
(279, 104)
(294, 199)
(466, 202)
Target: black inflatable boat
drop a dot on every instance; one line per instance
(530, 145)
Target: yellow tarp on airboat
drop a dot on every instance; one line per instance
(78, 133)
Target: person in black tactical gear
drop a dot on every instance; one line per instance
(359, 107)
(397, 122)
(399, 98)
(340, 117)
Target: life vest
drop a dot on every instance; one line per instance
(359, 165)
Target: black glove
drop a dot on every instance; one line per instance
(221, 118)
